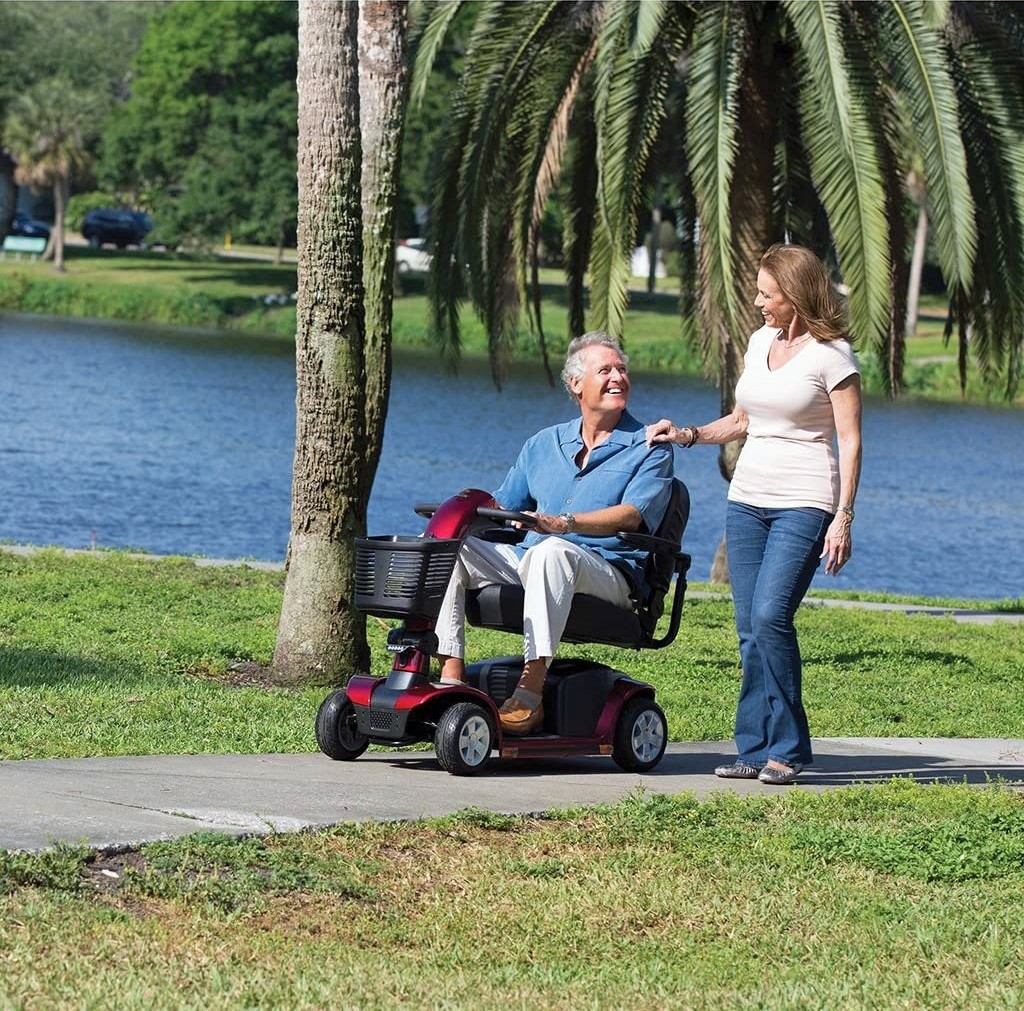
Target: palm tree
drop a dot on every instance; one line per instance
(320, 636)
(383, 87)
(47, 133)
(769, 120)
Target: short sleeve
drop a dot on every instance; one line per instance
(514, 493)
(840, 363)
(650, 488)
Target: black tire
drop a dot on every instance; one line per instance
(464, 739)
(94, 241)
(640, 736)
(336, 733)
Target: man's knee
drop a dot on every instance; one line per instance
(553, 556)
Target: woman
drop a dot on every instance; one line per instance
(790, 500)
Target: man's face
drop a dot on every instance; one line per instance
(604, 385)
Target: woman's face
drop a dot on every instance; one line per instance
(775, 308)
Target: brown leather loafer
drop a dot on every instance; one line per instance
(518, 720)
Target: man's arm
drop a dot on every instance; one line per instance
(597, 523)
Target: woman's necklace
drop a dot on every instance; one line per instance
(793, 344)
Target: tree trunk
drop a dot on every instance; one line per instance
(383, 84)
(61, 189)
(653, 243)
(321, 637)
(10, 193)
(916, 266)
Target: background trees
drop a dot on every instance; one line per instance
(768, 121)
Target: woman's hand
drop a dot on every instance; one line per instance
(838, 544)
(662, 431)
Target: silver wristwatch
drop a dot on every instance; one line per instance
(846, 509)
(570, 522)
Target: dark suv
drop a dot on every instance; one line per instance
(118, 227)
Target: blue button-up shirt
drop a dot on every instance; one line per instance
(623, 470)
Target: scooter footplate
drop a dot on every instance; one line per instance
(388, 723)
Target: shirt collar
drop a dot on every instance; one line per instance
(623, 434)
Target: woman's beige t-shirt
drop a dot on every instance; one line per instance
(789, 459)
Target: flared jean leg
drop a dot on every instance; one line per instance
(773, 554)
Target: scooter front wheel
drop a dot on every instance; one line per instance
(336, 732)
(640, 736)
(464, 739)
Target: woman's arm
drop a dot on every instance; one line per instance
(846, 407)
(715, 433)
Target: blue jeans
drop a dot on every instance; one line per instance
(772, 557)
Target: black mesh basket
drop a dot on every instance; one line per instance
(403, 577)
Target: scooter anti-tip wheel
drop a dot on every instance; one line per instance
(336, 733)
(464, 739)
(640, 736)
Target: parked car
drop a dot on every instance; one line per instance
(28, 227)
(115, 226)
(411, 254)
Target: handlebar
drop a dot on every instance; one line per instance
(506, 516)
(427, 510)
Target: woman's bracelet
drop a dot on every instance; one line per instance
(691, 436)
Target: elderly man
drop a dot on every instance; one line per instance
(583, 481)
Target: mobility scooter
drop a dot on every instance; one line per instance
(590, 708)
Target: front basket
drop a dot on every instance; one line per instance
(403, 577)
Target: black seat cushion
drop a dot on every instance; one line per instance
(590, 620)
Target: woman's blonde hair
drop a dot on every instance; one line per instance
(804, 281)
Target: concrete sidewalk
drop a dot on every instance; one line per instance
(111, 803)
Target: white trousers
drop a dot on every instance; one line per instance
(550, 573)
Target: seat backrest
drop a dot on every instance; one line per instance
(660, 566)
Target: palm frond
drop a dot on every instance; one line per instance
(844, 163)
(713, 85)
(919, 68)
(632, 76)
(430, 27)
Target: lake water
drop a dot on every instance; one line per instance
(177, 441)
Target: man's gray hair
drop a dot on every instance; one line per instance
(574, 368)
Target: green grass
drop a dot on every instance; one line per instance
(109, 655)
(898, 895)
(195, 290)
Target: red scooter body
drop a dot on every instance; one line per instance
(407, 707)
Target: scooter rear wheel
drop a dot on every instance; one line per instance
(336, 733)
(464, 739)
(640, 736)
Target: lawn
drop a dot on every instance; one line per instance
(103, 654)
(891, 896)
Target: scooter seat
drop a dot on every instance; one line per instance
(590, 620)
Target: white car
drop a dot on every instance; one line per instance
(412, 255)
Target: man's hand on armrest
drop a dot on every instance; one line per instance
(598, 523)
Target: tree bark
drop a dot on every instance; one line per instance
(916, 267)
(61, 188)
(322, 638)
(383, 85)
(10, 193)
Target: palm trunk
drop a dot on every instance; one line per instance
(10, 188)
(383, 84)
(916, 267)
(321, 637)
(652, 245)
(60, 201)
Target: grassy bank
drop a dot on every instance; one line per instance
(207, 292)
(108, 655)
(891, 896)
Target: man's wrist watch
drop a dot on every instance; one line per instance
(848, 510)
(570, 522)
